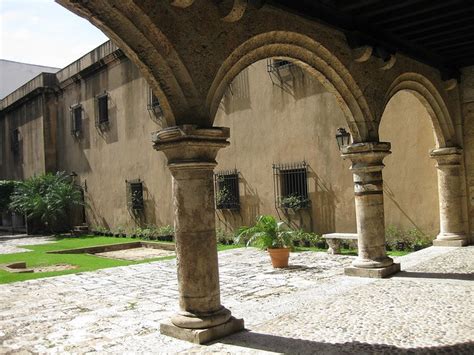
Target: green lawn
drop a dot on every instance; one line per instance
(85, 262)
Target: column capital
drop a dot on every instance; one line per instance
(449, 156)
(191, 146)
(366, 156)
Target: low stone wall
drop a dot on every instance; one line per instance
(114, 247)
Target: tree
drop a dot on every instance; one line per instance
(48, 198)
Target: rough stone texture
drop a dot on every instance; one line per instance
(136, 254)
(377, 273)
(11, 244)
(367, 168)
(191, 154)
(308, 308)
(451, 198)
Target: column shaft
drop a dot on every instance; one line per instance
(451, 216)
(367, 168)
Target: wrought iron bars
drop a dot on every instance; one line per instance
(290, 184)
(226, 187)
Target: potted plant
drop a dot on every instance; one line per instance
(269, 234)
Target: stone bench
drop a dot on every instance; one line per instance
(334, 241)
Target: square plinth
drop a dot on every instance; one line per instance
(202, 336)
(377, 273)
(449, 243)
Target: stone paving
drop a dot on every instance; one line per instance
(136, 254)
(11, 244)
(308, 308)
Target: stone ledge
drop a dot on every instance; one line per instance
(372, 273)
(202, 336)
(449, 243)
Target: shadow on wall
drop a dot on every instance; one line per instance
(249, 208)
(237, 96)
(388, 192)
(92, 217)
(323, 204)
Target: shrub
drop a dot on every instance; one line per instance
(413, 239)
(224, 237)
(7, 188)
(267, 233)
(47, 198)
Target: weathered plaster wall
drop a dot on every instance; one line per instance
(260, 115)
(28, 118)
(410, 178)
(467, 94)
(103, 161)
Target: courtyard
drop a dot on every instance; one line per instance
(310, 307)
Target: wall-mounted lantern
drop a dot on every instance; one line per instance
(343, 138)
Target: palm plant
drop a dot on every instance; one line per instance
(267, 233)
(47, 197)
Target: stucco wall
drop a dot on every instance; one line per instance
(297, 121)
(103, 161)
(28, 118)
(410, 177)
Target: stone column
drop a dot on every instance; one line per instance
(191, 153)
(451, 216)
(372, 260)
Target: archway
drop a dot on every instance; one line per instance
(311, 56)
(447, 155)
(410, 179)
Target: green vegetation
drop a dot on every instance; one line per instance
(85, 262)
(407, 240)
(266, 233)
(47, 198)
(349, 251)
(6, 190)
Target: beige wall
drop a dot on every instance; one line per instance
(270, 122)
(410, 177)
(28, 118)
(297, 121)
(103, 161)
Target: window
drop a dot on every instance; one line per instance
(227, 190)
(76, 120)
(154, 103)
(291, 186)
(15, 141)
(280, 70)
(135, 195)
(102, 112)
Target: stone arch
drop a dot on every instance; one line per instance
(313, 57)
(423, 89)
(133, 31)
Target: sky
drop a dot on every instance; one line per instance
(45, 33)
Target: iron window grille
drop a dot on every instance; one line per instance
(280, 70)
(135, 195)
(226, 185)
(290, 182)
(15, 141)
(76, 120)
(102, 110)
(154, 104)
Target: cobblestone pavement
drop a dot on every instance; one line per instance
(308, 308)
(11, 244)
(136, 254)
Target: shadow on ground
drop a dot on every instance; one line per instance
(435, 275)
(278, 344)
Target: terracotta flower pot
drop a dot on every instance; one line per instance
(279, 256)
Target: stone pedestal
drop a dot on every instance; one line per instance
(191, 153)
(451, 216)
(372, 260)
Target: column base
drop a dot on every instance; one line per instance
(202, 336)
(377, 273)
(449, 243)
